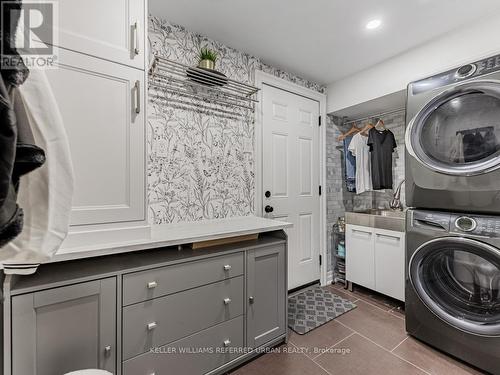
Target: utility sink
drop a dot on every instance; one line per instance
(378, 218)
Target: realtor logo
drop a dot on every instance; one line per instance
(30, 28)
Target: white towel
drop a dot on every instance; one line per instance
(46, 193)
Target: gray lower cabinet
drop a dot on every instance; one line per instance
(59, 330)
(149, 314)
(267, 295)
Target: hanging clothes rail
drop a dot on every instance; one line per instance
(378, 115)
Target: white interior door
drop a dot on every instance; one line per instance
(291, 177)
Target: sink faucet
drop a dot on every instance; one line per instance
(395, 203)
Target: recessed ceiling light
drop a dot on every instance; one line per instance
(373, 24)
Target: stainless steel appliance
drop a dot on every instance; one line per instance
(453, 139)
(453, 284)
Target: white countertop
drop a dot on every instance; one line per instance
(180, 233)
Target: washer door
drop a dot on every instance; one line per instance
(458, 132)
(458, 279)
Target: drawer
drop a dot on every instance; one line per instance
(193, 355)
(144, 285)
(166, 319)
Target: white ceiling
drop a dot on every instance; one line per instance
(322, 40)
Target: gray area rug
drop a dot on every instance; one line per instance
(315, 307)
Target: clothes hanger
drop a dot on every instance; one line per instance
(351, 131)
(366, 129)
(380, 122)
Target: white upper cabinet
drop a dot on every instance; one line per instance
(102, 106)
(109, 29)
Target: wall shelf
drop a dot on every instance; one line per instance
(193, 88)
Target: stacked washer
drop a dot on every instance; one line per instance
(453, 226)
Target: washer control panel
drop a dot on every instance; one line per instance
(486, 226)
(458, 223)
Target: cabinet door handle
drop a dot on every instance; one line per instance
(227, 342)
(227, 301)
(151, 326)
(362, 231)
(251, 299)
(227, 267)
(136, 38)
(152, 284)
(389, 236)
(137, 87)
(107, 351)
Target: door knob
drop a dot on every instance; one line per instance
(267, 194)
(268, 209)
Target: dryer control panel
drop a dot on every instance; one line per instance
(469, 71)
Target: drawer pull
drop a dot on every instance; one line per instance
(152, 284)
(227, 342)
(152, 326)
(227, 267)
(227, 301)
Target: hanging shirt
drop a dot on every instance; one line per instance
(359, 148)
(350, 166)
(382, 145)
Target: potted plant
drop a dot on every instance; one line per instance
(207, 59)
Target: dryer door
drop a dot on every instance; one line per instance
(458, 279)
(458, 132)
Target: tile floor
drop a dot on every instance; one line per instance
(370, 339)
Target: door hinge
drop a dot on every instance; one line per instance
(319, 189)
(319, 121)
(320, 260)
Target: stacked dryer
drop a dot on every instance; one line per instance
(453, 224)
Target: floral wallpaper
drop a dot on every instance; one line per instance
(200, 164)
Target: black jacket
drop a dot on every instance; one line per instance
(18, 154)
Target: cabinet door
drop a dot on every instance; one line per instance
(390, 263)
(267, 295)
(360, 261)
(113, 30)
(101, 104)
(65, 329)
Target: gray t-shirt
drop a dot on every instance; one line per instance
(382, 145)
